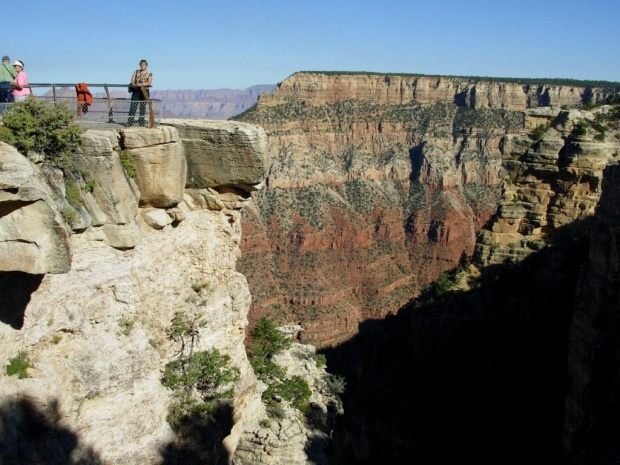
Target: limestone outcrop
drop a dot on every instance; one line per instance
(33, 235)
(286, 438)
(204, 141)
(118, 246)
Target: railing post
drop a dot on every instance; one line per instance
(110, 111)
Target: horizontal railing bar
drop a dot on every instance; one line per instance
(73, 85)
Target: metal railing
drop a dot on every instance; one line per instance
(111, 109)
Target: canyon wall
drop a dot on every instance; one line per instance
(89, 288)
(592, 407)
(380, 183)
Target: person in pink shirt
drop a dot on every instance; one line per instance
(20, 92)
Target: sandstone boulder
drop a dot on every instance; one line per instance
(223, 153)
(116, 195)
(33, 237)
(160, 164)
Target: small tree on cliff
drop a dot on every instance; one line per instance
(198, 380)
(266, 341)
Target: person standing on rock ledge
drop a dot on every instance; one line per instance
(21, 91)
(141, 80)
(7, 74)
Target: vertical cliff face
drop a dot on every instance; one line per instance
(380, 183)
(321, 88)
(89, 298)
(592, 408)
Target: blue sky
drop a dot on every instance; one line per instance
(238, 43)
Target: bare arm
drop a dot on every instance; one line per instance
(16, 84)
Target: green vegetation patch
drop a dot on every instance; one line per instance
(128, 164)
(19, 365)
(69, 215)
(199, 380)
(72, 194)
(267, 341)
(42, 127)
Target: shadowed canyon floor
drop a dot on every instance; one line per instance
(478, 376)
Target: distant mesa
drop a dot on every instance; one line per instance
(209, 104)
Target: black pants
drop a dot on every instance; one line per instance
(137, 100)
(6, 95)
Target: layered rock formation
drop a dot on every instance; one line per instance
(382, 182)
(89, 289)
(552, 182)
(322, 88)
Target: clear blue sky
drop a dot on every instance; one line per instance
(202, 44)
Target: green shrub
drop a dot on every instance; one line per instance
(267, 340)
(6, 135)
(294, 390)
(442, 285)
(540, 131)
(72, 194)
(599, 127)
(128, 164)
(89, 186)
(45, 128)
(198, 380)
(126, 325)
(205, 286)
(207, 371)
(69, 215)
(336, 384)
(320, 360)
(580, 130)
(266, 369)
(19, 365)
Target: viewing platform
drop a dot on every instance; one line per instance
(94, 108)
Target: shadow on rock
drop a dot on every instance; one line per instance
(199, 439)
(31, 434)
(15, 291)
